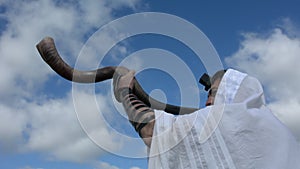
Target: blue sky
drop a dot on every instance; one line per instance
(39, 127)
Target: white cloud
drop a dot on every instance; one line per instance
(123, 3)
(274, 59)
(29, 22)
(52, 128)
(12, 124)
(30, 121)
(134, 168)
(104, 165)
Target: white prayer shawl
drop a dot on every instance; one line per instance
(238, 132)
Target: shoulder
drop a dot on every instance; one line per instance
(166, 119)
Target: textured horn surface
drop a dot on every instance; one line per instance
(48, 52)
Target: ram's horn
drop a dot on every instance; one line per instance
(47, 50)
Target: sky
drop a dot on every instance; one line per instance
(48, 122)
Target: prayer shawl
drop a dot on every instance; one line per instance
(237, 132)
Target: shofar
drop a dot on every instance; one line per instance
(47, 50)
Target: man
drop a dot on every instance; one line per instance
(235, 130)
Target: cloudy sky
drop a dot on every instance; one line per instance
(48, 122)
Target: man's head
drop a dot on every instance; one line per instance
(215, 82)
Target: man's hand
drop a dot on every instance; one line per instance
(123, 79)
(141, 116)
(126, 81)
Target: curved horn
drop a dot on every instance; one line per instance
(48, 52)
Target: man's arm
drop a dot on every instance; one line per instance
(140, 115)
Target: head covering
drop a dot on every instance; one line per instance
(237, 132)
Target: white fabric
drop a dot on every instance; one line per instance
(238, 132)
